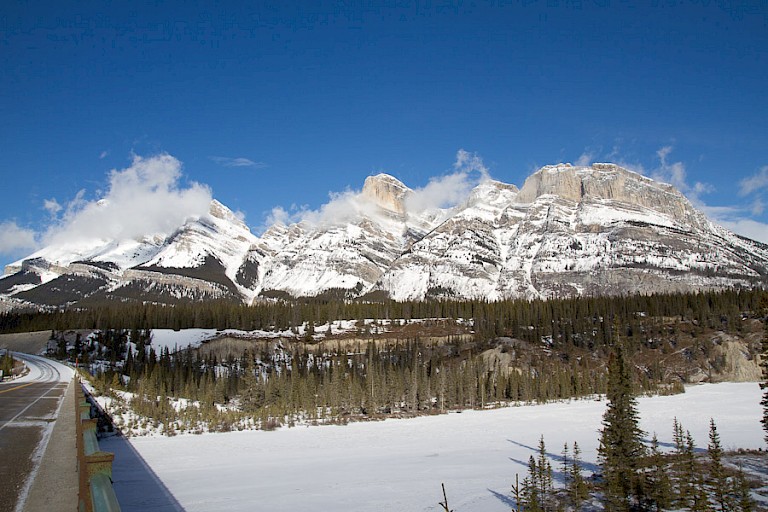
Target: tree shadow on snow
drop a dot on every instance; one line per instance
(507, 500)
(557, 461)
(136, 485)
(671, 446)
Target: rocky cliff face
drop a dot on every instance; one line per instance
(574, 231)
(609, 184)
(386, 192)
(568, 231)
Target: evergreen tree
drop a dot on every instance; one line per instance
(657, 479)
(531, 499)
(577, 486)
(536, 494)
(687, 481)
(718, 483)
(744, 503)
(252, 396)
(681, 482)
(566, 467)
(517, 493)
(544, 473)
(620, 448)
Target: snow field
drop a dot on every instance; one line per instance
(399, 464)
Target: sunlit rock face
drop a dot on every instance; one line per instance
(387, 192)
(567, 231)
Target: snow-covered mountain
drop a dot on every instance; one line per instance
(568, 231)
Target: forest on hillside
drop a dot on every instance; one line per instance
(416, 358)
(492, 354)
(577, 320)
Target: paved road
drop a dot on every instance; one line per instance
(28, 408)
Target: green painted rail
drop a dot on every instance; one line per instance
(96, 493)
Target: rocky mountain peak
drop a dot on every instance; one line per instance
(607, 183)
(221, 212)
(570, 230)
(492, 193)
(387, 192)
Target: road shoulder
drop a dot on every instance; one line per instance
(56, 484)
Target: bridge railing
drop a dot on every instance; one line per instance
(96, 493)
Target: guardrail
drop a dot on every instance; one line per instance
(96, 493)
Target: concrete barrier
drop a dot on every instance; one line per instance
(96, 493)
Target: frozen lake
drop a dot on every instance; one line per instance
(400, 464)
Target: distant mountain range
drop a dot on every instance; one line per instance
(568, 231)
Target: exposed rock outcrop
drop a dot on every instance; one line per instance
(387, 192)
(568, 231)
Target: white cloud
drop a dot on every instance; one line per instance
(103, 155)
(736, 219)
(585, 160)
(451, 189)
(675, 174)
(441, 192)
(754, 183)
(237, 162)
(746, 227)
(663, 153)
(143, 199)
(343, 207)
(14, 239)
(52, 206)
(467, 162)
(278, 215)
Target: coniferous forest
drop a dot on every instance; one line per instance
(407, 359)
(487, 354)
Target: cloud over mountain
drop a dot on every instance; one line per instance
(443, 191)
(144, 198)
(14, 238)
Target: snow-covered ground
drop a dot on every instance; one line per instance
(42, 369)
(400, 464)
(183, 338)
(170, 339)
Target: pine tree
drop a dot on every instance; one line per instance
(657, 479)
(688, 471)
(578, 487)
(745, 503)
(718, 483)
(680, 483)
(531, 499)
(252, 396)
(517, 493)
(620, 439)
(544, 473)
(566, 467)
(536, 493)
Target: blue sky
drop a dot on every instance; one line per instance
(272, 106)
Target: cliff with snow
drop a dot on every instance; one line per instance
(567, 231)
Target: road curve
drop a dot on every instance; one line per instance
(28, 408)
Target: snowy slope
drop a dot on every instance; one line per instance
(347, 251)
(576, 230)
(568, 231)
(400, 464)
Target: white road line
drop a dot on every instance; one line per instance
(50, 368)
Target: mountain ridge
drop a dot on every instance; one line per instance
(569, 230)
